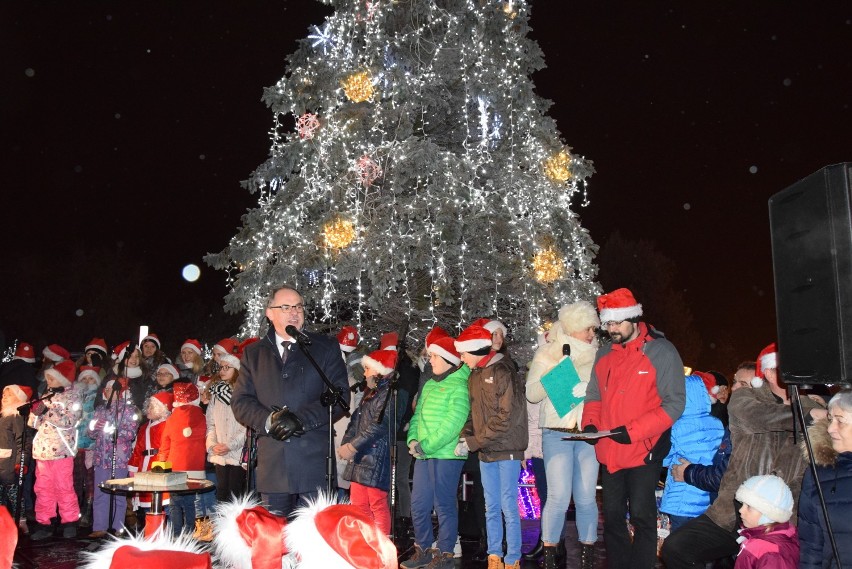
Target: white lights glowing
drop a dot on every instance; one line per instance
(426, 201)
(191, 273)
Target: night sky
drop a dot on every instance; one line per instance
(127, 128)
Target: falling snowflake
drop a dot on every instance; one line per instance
(322, 38)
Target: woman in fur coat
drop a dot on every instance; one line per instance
(571, 466)
(832, 442)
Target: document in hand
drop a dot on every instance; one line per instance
(588, 436)
(559, 384)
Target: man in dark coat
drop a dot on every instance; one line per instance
(278, 395)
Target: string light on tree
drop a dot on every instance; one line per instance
(338, 233)
(358, 87)
(558, 167)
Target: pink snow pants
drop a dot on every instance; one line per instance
(54, 486)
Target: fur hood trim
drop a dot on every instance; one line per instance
(824, 453)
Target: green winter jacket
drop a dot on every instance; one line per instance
(441, 412)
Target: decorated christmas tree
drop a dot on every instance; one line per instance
(414, 177)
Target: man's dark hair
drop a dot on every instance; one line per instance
(751, 366)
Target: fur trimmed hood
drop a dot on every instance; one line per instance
(824, 453)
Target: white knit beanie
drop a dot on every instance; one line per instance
(769, 495)
(578, 316)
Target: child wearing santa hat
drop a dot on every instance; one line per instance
(12, 426)
(54, 449)
(366, 443)
(113, 427)
(183, 444)
(147, 445)
(87, 384)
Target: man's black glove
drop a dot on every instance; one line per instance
(284, 424)
(620, 435)
(591, 429)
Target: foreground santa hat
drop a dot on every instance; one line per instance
(8, 538)
(248, 536)
(160, 551)
(326, 535)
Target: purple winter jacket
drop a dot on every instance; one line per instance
(776, 549)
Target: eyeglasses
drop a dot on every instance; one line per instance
(163, 374)
(286, 308)
(225, 368)
(612, 323)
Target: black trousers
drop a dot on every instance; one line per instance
(698, 542)
(634, 487)
(230, 481)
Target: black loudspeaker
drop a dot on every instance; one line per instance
(811, 225)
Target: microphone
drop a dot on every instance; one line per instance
(298, 335)
(59, 389)
(360, 386)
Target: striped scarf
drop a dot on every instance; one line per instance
(222, 391)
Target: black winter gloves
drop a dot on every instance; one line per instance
(591, 429)
(620, 435)
(285, 424)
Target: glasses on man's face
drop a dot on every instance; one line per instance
(163, 374)
(286, 308)
(613, 323)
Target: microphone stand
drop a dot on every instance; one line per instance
(330, 398)
(22, 462)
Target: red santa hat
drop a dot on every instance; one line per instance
(232, 360)
(151, 338)
(25, 352)
(494, 325)
(8, 537)
(192, 344)
(162, 550)
(382, 361)
(120, 350)
(55, 353)
(226, 346)
(348, 338)
(446, 348)
(64, 372)
(169, 368)
(389, 341)
(22, 393)
(185, 394)
(338, 536)
(89, 371)
(766, 359)
(709, 384)
(98, 344)
(434, 334)
(617, 306)
(164, 398)
(473, 338)
(247, 536)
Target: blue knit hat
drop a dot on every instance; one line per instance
(769, 495)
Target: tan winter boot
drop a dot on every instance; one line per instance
(495, 562)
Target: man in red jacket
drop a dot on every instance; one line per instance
(637, 392)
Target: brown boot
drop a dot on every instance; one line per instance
(495, 562)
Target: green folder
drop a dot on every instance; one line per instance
(559, 384)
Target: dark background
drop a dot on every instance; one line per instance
(127, 127)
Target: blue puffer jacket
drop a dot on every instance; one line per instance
(371, 465)
(709, 477)
(696, 436)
